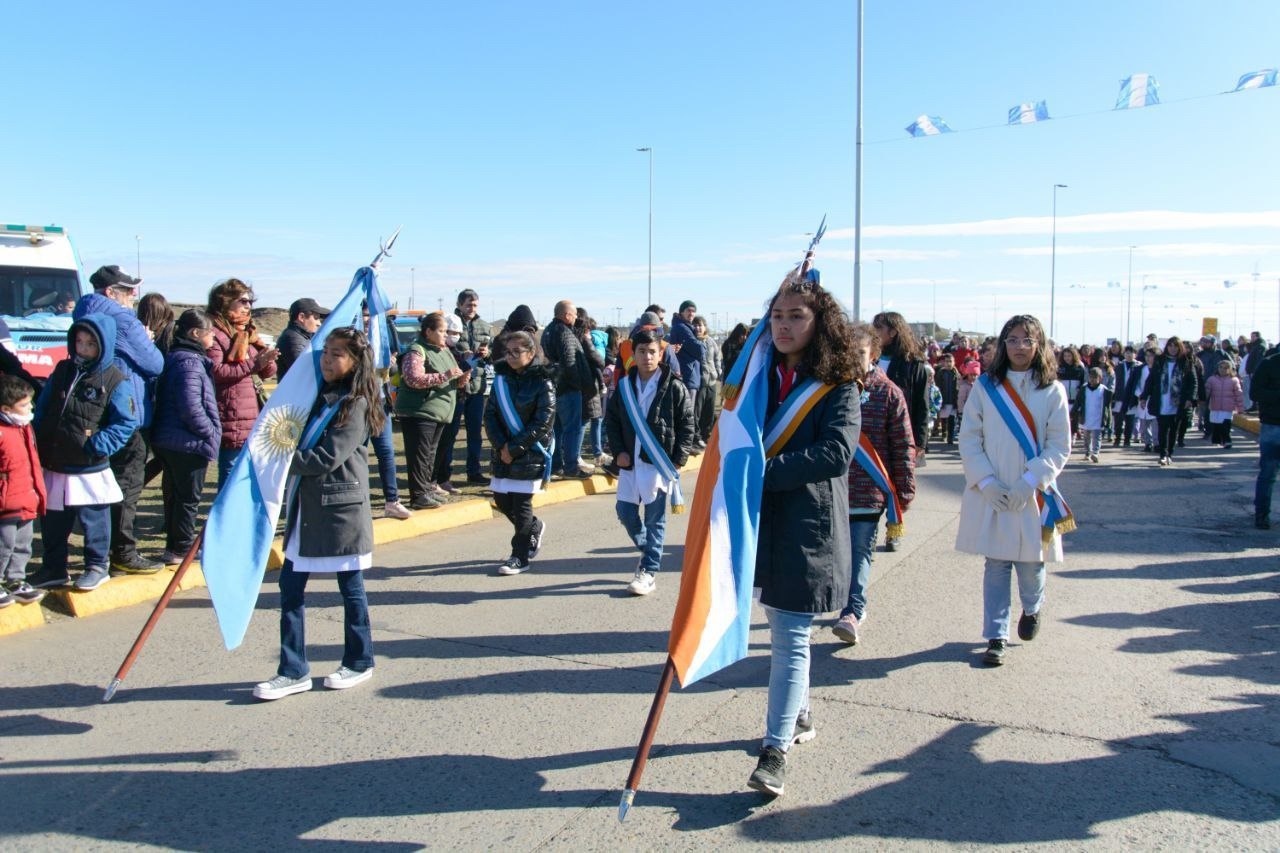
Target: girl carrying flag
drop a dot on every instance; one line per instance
(882, 476)
(329, 524)
(1014, 442)
(518, 419)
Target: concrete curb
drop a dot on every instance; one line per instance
(128, 590)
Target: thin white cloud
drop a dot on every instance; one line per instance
(1159, 250)
(1090, 223)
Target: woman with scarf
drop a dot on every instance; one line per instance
(238, 356)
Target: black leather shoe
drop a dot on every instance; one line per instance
(995, 653)
(1028, 626)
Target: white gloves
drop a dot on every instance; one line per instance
(1021, 493)
(996, 494)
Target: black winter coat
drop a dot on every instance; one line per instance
(910, 376)
(1184, 396)
(670, 417)
(1264, 389)
(563, 348)
(803, 553)
(333, 486)
(534, 398)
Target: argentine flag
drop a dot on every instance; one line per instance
(1029, 113)
(242, 522)
(1136, 91)
(928, 126)
(1257, 79)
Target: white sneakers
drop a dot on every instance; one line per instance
(344, 678)
(643, 583)
(282, 685)
(395, 509)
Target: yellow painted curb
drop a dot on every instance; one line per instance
(1248, 423)
(450, 515)
(121, 591)
(20, 617)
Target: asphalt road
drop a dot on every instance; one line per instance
(504, 712)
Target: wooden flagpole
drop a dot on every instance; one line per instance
(155, 617)
(646, 739)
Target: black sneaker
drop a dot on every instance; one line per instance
(535, 539)
(513, 565)
(770, 772)
(424, 502)
(891, 545)
(1028, 626)
(805, 731)
(994, 655)
(136, 564)
(25, 593)
(47, 580)
(477, 479)
(579, 475)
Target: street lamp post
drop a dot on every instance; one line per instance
(1142, 316)
(935, 305)
(1053, 257)
(649, 151)
(1128, 320)
(881, 263)
(413, 286)
(138, 243)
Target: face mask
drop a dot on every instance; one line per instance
(16, 419)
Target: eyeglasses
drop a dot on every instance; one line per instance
(517, 351)
(1019, 342)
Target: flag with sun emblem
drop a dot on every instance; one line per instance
(242, 522)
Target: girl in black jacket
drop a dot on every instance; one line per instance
(902, 361)
(803, 555)
(1171, 393)
(520, 453)
(328, 522)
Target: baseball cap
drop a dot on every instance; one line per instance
(112, 276)
(308, 305)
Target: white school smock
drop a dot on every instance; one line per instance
(642, 483)
(65, 491)
(1092, 415)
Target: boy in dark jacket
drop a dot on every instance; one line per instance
(85, 414)
(947, 380)
(669, 417)
(22, 496)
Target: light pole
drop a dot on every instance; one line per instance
(881, 263)
(1142, 316)
(413, 286)
(649, 151)
(935, 305)
(137, 238)
(1053, 257)
(617, 310)
(1084, 315)
(1128, 320)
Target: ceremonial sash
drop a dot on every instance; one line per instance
(649, 442)
(1055, 515)
(310, 435)
(507, 408)
(867, 457)
(779, 428)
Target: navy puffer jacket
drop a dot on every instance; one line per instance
(186, 418)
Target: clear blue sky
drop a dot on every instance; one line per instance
(277, 142)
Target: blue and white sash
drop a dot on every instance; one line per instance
(1055, 515)
(649, 442)
(507, 408)
(779, 428)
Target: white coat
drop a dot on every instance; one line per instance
(989, 449)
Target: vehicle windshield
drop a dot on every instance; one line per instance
(25, 291)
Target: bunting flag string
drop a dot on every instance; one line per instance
(1136, 91)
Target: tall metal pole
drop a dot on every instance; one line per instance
(881, 263)
(649, 151)
(1128, 320)
(857, 187)
(935, 306)
(1053, 258)
(413, 286)
(138, 242)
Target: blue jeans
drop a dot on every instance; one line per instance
(357, 651)
(385, 450)
(862, 536)
(597, 436)
(995, 594)
(1268, 463)
(788, 674)
(473, 407)
(646, 535)
(226, 458)
(567, 454)
(56, 529)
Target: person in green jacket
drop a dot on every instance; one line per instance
(430, 379)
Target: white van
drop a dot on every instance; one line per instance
(40, 275)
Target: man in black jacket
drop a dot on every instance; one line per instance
(305, 318)
(1265, 390)
(575, 380)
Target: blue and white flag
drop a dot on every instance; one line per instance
(1029, 113)
(1257, 79)
(242, 522)
(1138, 91)
(928, 126)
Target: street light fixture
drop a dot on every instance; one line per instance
(1053, 257)
(649, 151)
